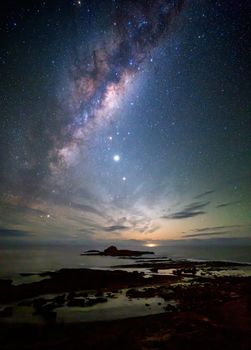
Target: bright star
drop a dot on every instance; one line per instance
(124, 178)
(116, 158)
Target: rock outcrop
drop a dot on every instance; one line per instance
(114, 251)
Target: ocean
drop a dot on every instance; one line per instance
(14, 261)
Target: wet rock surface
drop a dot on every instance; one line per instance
(72, 280)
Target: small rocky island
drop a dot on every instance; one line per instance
(114, 251)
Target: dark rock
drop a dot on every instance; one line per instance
(115, 291)
(190, 271)
(71, 295)
(114, 251)
(77, 302)
(46, 274)
(91, 302)
(92, 252)
(60, 299)
(111, 295)
(170, 308)
(45, 308)
(146, 293)
(70, 280)
(154, 269)
(25, 303)
(39, 302)
(5, 283)
(178, 272)
(6, 312)
(81, 295)
(48, 315)
(49, 307)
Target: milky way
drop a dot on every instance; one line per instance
(137, 28)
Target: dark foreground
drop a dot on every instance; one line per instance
(210, 312)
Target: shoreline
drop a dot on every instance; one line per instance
(183, 305)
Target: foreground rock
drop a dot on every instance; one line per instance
(215, 315)
(6, 312)
(71, 280)
(207, 313)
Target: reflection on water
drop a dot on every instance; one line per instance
(118, 307)
(241, 271)
(166, 272)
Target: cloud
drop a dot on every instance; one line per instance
(203, 194)
(196, 205)
(22, 209)
(223, 205)
(86, 208)
(183, 215)
(215, 231)
(217, 228)
(115, 228)
(8, 233)
(203, 234)
(62, 200)
(204, 229)
(83, 193)
(189, 211)
(152, 230)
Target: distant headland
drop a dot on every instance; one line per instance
(114, 251)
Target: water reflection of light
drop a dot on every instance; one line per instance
(151, 245)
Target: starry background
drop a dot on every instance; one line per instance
(125, 121)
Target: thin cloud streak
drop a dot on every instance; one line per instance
(207, 234)
(189, 211)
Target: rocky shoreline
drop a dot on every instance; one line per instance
(207, 311)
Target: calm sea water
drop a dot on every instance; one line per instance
(13, 261)
(210, 252)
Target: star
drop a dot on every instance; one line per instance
(116, 158)
(124, 178)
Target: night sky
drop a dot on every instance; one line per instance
(125, 120)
